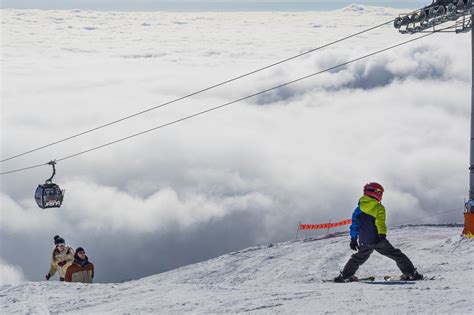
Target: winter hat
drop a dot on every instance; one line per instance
(79, 249)
(59, 240)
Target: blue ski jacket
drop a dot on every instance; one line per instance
(368, 221)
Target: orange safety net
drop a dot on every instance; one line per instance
(324, 225)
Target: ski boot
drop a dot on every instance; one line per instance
(412, 276)
(343, 279)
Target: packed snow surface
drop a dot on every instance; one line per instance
(284, 277)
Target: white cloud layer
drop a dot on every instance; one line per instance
(10, 274)
(301, 153)
(107, 209)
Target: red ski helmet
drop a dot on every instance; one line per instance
(374, 190)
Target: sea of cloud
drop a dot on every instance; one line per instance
(243, 175)
(10, 274)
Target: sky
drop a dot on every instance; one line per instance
(186, 5)
(238, 177)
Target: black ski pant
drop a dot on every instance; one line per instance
(383, 247)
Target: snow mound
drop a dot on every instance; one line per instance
(354, 7)
(368, 9)
(277, 278)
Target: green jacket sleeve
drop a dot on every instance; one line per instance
(380, 220)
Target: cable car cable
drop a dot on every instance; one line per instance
(235, 101)
(24, 169)
(195, 93)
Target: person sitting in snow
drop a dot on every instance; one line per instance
(61, 259)
(81, 269)
(368, 233)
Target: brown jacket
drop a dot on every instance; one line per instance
(67, 256)
(77, 273)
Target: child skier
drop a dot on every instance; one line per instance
(368, 233)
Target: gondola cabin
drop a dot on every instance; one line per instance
(49, 195)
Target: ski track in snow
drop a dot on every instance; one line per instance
(282, 277)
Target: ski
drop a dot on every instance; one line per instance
(399, 279)
(366, 279)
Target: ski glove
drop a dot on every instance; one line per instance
(354, 245)
(48, 276)
(61, 263)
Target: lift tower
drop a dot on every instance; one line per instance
(461, 13)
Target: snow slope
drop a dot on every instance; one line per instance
(277, 278)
